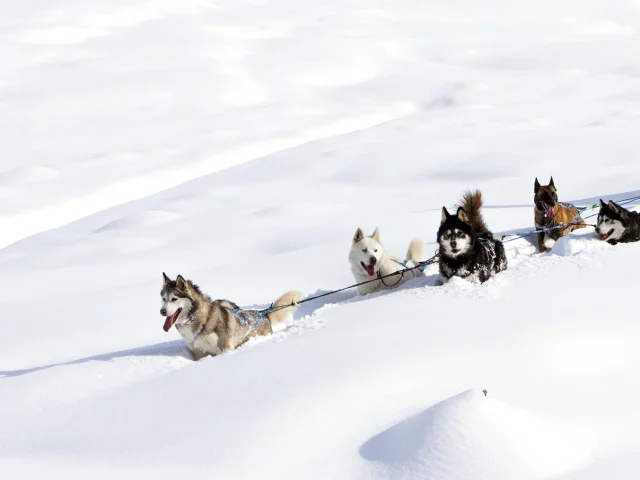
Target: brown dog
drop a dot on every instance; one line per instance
(550, 213)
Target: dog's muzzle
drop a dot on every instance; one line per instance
(170, 320)
(370, 268)
(548, 210)
(603, 236)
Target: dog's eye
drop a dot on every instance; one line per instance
(174, 299)
(460, 234)
(375, 251)
(364, 250)
(446, 236)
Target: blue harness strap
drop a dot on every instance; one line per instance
(570, 205)
(244, 321)
(421, 267)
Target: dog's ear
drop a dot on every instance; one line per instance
(602, 204)
(536, 186)
(445, 215)
(359, 235)
(376, 235)
(462, 215)
(551, 184)
(165, 278)
(618, 209)
(181, 283)
(614, 207)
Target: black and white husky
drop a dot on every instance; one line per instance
(616, 224)
(467, 247)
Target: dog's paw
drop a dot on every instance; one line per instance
(440, 282)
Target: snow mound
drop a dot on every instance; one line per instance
(473, 436)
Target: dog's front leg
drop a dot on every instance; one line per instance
(541, 246)
(197, 354)
(484, 275)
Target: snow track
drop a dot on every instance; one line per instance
(580, 249)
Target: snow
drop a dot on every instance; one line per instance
(464, 435)
(241, 144)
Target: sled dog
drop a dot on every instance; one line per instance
(370, 260)
(549, 213)
(211, 327)
(467, 247)
(617, 224)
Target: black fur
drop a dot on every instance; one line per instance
(630, 221)
(485, 257)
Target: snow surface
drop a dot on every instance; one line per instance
(241, 144)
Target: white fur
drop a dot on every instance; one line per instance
(187, 333)
(207, 343)
(462, 242)
(605, 224)
(171, 305)
(365, 248)
(549, 242)
(468, 278)
(462, 273)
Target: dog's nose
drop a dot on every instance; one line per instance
(163, 312)
(372, 261)
(453, 244)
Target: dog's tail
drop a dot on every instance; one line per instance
(472, 204)
(292, 298)
(415, 253)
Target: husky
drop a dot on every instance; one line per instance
(370, 260)
(617, 224)
(467, 247)
(212, 327)
(549, 213)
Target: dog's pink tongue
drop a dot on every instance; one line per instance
(549, 212)
(168, 323)
(370, 270)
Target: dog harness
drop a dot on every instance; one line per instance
(251, 318)
(552, 223)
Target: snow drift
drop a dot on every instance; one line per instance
(473, 436)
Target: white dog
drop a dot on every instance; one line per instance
(369, 260)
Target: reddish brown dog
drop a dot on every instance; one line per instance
(550, 213)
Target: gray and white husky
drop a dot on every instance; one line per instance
(211, 327)
(617, 224)
(369, 260)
